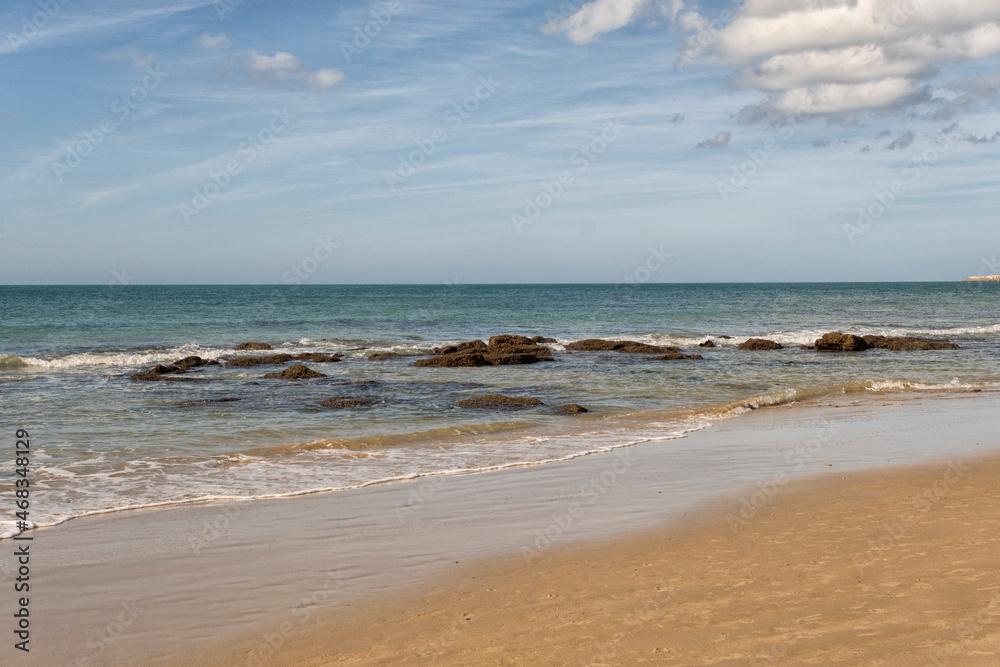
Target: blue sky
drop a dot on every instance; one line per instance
(495, 142)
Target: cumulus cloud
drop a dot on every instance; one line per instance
(822, 57)
(214, 42)
(283, 66)
(720, 140)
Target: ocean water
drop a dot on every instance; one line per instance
(101, 442)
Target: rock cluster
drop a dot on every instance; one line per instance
(499, 351)
(839, 342)
(315, 357)
(165, 373)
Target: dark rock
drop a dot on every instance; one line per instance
(345, 402)
(674, 356)
(194, 362)
(382, 356)
(760, 344)
(543, 339)
(502, 350)
(456, 360)
(909, 343)
(707, 343)
(838, 342)
(317, 357)
(209, 400)
(161, 373)
(295, 372)
(470, 346)
(254, 346)
(724, 337)
(499, 402)
(259, 361)
(807, 347)
(573, 407)
(626, 346)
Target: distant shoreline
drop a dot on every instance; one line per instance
(982, 279)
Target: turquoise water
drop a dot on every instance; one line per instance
(103, 442)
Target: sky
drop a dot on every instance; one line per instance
(307, 142)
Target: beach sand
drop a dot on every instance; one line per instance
(737, 541)
(897, 567)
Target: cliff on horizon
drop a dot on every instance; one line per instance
(983, 279)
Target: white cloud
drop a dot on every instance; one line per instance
(284, 66)
(596, 17)
(720, 140)
(140, 60)
(214, 42)
(820, 56)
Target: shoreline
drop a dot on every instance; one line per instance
(251, 564)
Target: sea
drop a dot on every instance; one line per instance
(101, 442)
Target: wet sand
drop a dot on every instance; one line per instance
(575, 553)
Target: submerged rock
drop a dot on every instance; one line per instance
(317, 357)
(838, 342)
(382, 356)
(909, 343)
(760, 344)
(674, 356)
(259, 361)
(345, 402)
(499, 402)
(254, 346)
(707, 343)
(574, 408)
(295, 372)
(161, 373)
(207, 401)
(625, 346)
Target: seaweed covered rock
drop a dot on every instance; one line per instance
(499, 402)
(194, 362)
(295, 372)
(239, 362)
(501, 350)
(254, 346)
(759, 344)
(909, 343)
(338, 402)
(382, 356)
(625, 346)
(674, 356)
(574, 408)
(317, 357)
(161, 373)
(839, 342)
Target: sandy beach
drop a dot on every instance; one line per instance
(749, 539)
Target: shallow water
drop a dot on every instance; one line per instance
(102, 442)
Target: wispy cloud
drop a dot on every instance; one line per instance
(212, 42)
(720, 140)
(283, 66)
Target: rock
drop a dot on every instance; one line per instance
(345, 402)
(760, 344)
(259, 361)
(674, 356)
(161, 373)
(983, 279)
(574, 408)
(543, 339)
(209, 400)
(295, 372)
(317, 357)
(807, 347)
(472, 345)
(499, 402)
(254, 346)
(908, 343)
(838, 342)
(626, 346)
(456, 360)
(724, 337)
(707, 343)
(382, 356)
(500, 351)
(194, 362)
